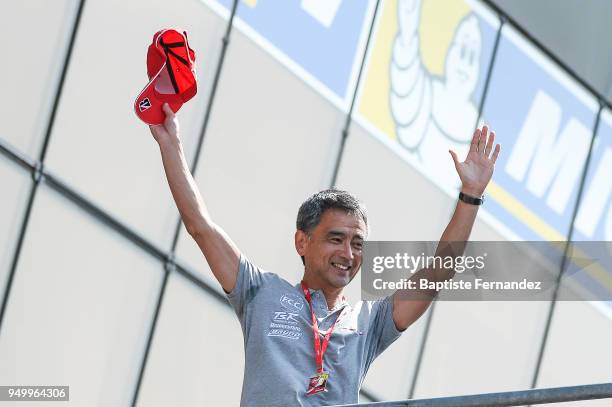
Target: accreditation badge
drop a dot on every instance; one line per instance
(316, 383)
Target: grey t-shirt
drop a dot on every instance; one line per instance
(279, 350)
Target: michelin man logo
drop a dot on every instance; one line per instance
(434, 111)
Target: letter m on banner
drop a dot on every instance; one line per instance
(549, 157)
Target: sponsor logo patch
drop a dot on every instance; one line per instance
(285, 317)
(285, 325)
(292, 302)
(285, 333)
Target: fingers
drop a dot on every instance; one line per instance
(483, 144)
(475, 138)
(455, 159)
(168, 111)
(170, 121)
(496, 153)
(489, 145)
(483, 139)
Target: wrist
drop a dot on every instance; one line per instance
(169, 142)
(470, 199)
(471, 191)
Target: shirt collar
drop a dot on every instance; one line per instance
(342, 302)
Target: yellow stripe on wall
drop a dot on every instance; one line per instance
(521, 212)
(547, 232)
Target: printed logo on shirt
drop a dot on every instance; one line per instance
(285, 317)
(285, 325)
(292, 302)
(285, 333)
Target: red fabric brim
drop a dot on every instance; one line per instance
(148, 105)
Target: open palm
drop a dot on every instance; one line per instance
(477, 169)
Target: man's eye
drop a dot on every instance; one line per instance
(336, 240)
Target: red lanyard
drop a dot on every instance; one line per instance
(318, 347)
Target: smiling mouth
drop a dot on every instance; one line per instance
(341, 266)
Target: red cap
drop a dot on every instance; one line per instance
(172, 80)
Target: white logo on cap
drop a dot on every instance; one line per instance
(144, 104)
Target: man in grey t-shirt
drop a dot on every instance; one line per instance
(304, 344)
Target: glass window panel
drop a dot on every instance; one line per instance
(391, 374)
(99, 146)
(271, 143)
(545, 135)
(80, 308)
(578, 348)
(424, 81)
(36, 36)
(324, 46)
(16, 184)
(481, 347)
(200, 338)
(594, 217)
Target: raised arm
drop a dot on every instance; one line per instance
(221, 253)
(475, 173)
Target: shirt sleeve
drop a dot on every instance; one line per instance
(248, 282)
(382, 331)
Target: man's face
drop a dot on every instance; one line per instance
(332, 252)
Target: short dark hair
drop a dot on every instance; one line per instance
(310, 212)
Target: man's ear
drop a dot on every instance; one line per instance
(301, 242)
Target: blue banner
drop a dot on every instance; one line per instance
(322, 37)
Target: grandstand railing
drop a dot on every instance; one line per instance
(510, 398)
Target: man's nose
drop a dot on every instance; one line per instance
(348, 251)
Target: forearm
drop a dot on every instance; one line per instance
(456, 234)
(183, 187)
(460, 226)
(410, 304)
